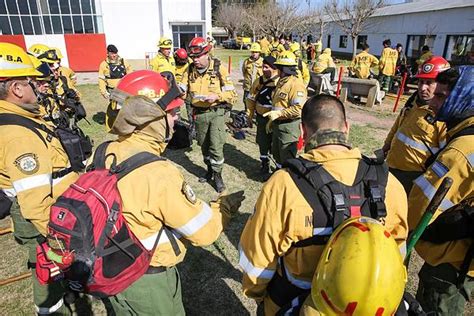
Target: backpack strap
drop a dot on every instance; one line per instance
(375, 174)
(18, 120)
(300, 64)
(134, 162)
(100, 156)
(216, 70)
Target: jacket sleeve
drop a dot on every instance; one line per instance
(193, 219)
(296, 99)
(228, 93)
(305, 73)
(393, 130)
(396, 204)
(29, 166)
(102, 79)
(374, 61)
(250, 101)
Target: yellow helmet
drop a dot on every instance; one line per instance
(255, 48)
(360, 272)
(58, 52)
(165, 43)
(294, 47)
(49, 57)
(286, 58)
(38, 49)
(15, 62)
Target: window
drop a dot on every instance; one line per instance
(460, 49)
(49, 17)
(343, 41)
(416, 42)
(183, 34)
(361, 39)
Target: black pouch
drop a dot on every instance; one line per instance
(451, 225)
(77, 145)
(5, 205)
(182, 137)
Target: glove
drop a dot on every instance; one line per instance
(230, 203)
(271, 115)
(106, 95)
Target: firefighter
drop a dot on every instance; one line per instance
(276, 47)
(318, 48)
(35, 167)
(283, 240)
(324, 64)
(265, 46)
(143, 126)
(164, 60)
(259, 100)
(251, 68)
(287, 101)
(111, 70)
(362, 62)
(416, 136)
(302, 69)
(212, 92)
(424, 56)
(63, 70)
(182, 65)
(447, 276)
(387, 65)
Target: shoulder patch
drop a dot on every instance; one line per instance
(27, 163)
(189, 193)
(282, 95)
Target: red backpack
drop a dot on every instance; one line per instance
(89, 242)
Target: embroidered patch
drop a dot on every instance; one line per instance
(300, 94)
(427, 68)
(282, 95)
(189, 193)
(27, 163)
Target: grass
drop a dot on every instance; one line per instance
(210, 276)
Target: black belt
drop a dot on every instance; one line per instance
(282, 291)
(155, 270)
(61, 173)
(211, 108)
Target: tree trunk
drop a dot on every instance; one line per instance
(354, 46)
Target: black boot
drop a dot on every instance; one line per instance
(220, 186)
(208, 176)
(265, 166)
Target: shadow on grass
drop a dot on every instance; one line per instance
(99, 118)
(243, 162)
(179, 157)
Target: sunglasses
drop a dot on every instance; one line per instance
(167, 42)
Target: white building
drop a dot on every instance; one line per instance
(83, 28)
(446, 26)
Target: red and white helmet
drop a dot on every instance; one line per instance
(181, 53)
(198, 46)
(432, 67)
(150, 84)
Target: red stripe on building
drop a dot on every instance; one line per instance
(85, 52)
(14, 39)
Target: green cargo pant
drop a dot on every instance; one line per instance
(385, 82)
(406, 178)
(264, 140)
(285, 140)
(48, 299)
(438, 292)
(152, 294)
(211, 136)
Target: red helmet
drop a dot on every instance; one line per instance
(432, 67)
(181, 53)
(198, 46)
(150, 84)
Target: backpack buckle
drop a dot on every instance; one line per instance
(375, 194)
(113, 216)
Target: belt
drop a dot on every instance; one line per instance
(155, 270)
(212, 108)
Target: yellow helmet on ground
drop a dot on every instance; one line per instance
(255, 48)
(286, 58)
(294, 47)
(15, 62)
(38, 49)
(58, 52)
(360, 272)
(165, 43)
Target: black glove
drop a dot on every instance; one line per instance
(409, 306)
(5, 205)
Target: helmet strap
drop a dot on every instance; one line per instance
(173, 93)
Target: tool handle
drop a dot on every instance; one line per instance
(430, 210)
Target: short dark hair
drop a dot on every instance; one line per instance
(448, 77)
(323, 112)
(387, 42)
(425, 48)
(112, 49)
(399, 45)
(364, 46)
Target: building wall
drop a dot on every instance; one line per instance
(397, 27)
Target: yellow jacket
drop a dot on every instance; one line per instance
(151, 196)
(424, 58)
(303, 73)
(265, 46)
(323, 61)
(180, 70)
(161, 63)
(289, 96)
(413, 139)
(388, 61)
(105, 82)
(27, 163)
(252, 100)
(199, 86)
(362, 63)
(251, 70)
(276, 48)
(281, 218)
(455, 161)
(68, 73)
